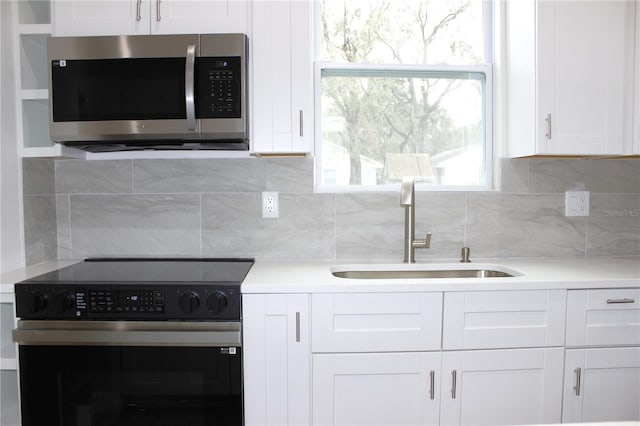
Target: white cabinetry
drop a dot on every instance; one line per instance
(636, 103)
(568, 70)
(378, 358)
(9, 409)
(603, 317)
(376, 388)
(496, 387)
(502, 387)
(504, 319)
(119, 17)
(368, 322)
(32, 26)
(602, 383)
(281, 46)
(277, 357)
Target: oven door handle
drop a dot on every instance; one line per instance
(117, 334)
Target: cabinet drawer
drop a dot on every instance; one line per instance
(376, 322)
(504, 319)
(603, 317)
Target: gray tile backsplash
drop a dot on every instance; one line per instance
(212, 207)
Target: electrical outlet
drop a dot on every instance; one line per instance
(270, 205)
(576, 203)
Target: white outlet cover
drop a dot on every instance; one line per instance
(576, 203)
(270, 205)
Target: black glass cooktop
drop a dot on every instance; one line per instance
(149, 270)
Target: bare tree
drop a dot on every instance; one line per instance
(394, 111)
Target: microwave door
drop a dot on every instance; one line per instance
(125, 98)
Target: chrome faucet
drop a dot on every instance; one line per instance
(408, 201)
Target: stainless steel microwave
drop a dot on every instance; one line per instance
(112, 93)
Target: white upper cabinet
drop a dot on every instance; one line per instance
(636, 107)
(281, 51)
(124, 17)
(569, 66)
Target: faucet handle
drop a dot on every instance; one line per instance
(423, 243)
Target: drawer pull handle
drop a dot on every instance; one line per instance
(432, 382)
(454, 376)
(578, 379)
(297, 327)
(625, 300)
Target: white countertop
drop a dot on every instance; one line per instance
(316, 277)
(538, 273)
(9, 278)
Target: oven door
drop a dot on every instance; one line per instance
(97, 373)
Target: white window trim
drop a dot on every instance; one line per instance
(486, 69)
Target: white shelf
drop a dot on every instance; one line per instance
(44, 29)
(34, 94)
(9, 364)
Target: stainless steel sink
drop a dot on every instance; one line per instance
(415, 271)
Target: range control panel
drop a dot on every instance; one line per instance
(181, 302)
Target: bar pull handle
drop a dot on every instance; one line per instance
(548, 121)
(297, 327)
(615, 301)
(578, 380)
(301, 123)
(432, 382)
(138, 10)
(189, 83)
(158, 17)
(454, 385)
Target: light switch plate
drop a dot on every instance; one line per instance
(576, 203)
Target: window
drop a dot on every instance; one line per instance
(403, 88)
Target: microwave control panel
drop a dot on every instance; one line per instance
(219, 88)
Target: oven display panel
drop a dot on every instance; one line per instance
(126, 301)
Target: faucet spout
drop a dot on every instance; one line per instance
(408, 201)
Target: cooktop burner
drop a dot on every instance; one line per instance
(136, 289)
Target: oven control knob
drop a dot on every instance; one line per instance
(36, 302)
(189, 302)
(62, 302)
(217, 302)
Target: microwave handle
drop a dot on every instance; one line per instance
(189, 84)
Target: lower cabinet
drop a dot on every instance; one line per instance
(490, 387)
(502, 387)
(376, 388)
(277, 359)
(602, 384)
(431, 358)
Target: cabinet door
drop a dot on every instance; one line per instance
(376, 389)
(584, 73)
(277, 357)
(504, 319)
(603, 317)
(501, 387)
(197, 16)
(602, 385)
(101, 17)
(282, 77)
(636, 108)
(376, 322)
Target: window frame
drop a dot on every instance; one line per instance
(485, 68)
